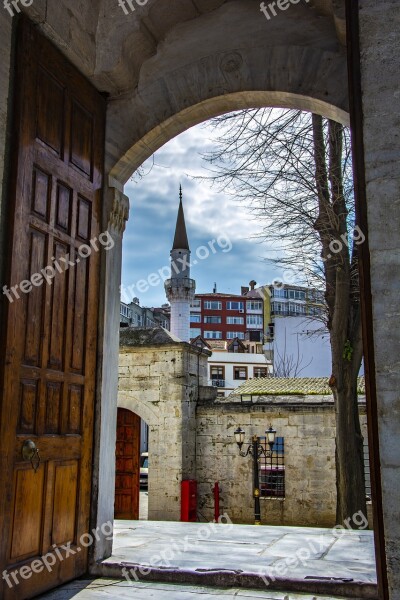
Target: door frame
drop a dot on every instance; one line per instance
(116, 213)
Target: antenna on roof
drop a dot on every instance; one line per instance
(215, 288)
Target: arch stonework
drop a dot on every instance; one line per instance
(131, 402)
(177, 123)
(295, 61)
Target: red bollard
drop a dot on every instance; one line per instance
(216, 502)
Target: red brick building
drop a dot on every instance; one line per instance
(226, 317)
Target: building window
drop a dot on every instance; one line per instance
(296, 295)
(279, 293)
(213, 335)
(260, 372)
(231, 335)
(240, 373)
(272, 470)
(235, 305)
(279, 308)
(195, 304)
(236, 347)
(235, 320)
(195, 318)
(210, 305)
(125, 311)
(217, 374)
(254, 306)
(212, 320)
(195, 332)
(314, 310)
(254, 320)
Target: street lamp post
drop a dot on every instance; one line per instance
(255, 450)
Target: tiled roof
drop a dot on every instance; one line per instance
(288, 386)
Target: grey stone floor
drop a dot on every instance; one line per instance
(101, 589)
(289, 552)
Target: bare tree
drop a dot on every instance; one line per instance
(294, 172)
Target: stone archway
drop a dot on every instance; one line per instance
(191, 75)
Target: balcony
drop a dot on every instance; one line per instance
(218, 383)
(185, 282)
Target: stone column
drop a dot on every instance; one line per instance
(379, 25)
(107, 381)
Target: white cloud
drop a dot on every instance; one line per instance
(154, 202)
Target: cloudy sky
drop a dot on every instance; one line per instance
(210, 215)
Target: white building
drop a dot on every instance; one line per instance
(233, 362)
(301, 348)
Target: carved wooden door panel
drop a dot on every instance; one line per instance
(127, 465)
(51, 324)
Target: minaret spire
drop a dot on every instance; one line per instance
(180, 289)
(180, 240)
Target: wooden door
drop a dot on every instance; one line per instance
(128, 465)
(51, 326)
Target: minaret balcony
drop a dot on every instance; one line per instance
(180, 283)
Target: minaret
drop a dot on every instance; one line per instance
(180, 288)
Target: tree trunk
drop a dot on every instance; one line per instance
(343, 323)
(350, 478)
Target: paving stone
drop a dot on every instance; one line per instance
(101, 589)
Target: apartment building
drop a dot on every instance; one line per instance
(134, 315)
(218, 316)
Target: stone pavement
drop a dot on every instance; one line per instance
(300, 559)
(103, 589)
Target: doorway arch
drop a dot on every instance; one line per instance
(181, 84)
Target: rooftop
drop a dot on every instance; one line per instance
(220, 295)
(287, 386)
(134, 336)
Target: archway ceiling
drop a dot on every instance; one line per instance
(110, 47)
(126, 42)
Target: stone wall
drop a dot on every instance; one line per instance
(191, 437)
(162, 384)
(308, 431)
